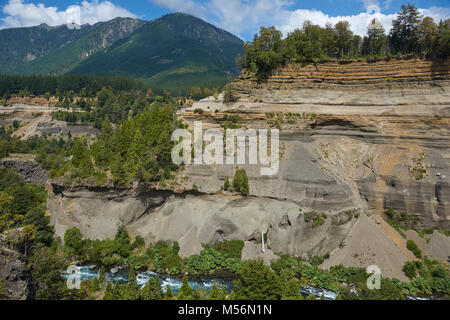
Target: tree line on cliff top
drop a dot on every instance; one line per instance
(411, 33)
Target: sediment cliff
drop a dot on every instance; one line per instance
(356, 138)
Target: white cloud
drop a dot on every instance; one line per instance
(20, 14)
(358, 23)
(243, 16)
(437, 13)
(236, 16)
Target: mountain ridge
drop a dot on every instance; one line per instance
(169, 52)
(176, 51)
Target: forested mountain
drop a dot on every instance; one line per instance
(174, 52)
(55, 50)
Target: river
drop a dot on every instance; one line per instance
(174, 282)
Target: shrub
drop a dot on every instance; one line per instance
(390, 213)
(139, 242)
(227, 185)
(319, 220)
(316, 261)
(230, 96)
(412, 246)
(410, 270)
(240, 182)
(231, 248)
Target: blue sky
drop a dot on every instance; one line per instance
(241, 17)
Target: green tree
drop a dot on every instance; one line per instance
(36, 216)
(258, 282)
(73, 243)
(216, 293)
(46, 267)
(123, 242)
(152, 290)
(227, 185)
(131, 290)
(168, 294)
(186, 291)
(405, 30)
(81, 159)
(101, 150)
(7, 219)
(441, 45)
(412, 246)
(427, 34)
(376, 38)
(410, 270)
(196, 93)
(343, 37)
(264, 54)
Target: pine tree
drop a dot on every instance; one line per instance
(343, 37)
(240, 182)
(223, 293)
(118, 170)
(81, 159)
(136, 152)
(152, 290)
(131, 291)
(405, 29)
(185, 290)
(102, 276)
(168, 294)
(441, 45)
(258, 282)
(227, 186)
(108, 292)
(214, 294)
(376, 37)
(95, 284)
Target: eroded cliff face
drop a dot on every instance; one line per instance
(195, 218)
(370, 135)
(355, 140)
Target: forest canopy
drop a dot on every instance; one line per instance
(411, 33)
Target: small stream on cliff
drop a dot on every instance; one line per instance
(205, 282)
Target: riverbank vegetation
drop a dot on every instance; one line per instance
(283, 279)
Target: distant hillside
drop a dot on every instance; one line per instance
(175, 52)
(20, 45)
(78, 48)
